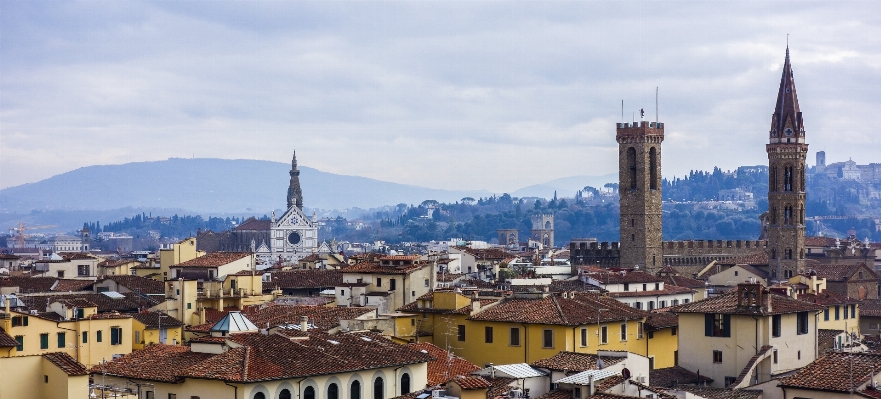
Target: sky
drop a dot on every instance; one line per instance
(493, 95)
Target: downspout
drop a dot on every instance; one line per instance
(574, 339)
(395, 378)
(236, 392)
(137, 384)
(525, 344)
(76, 339)
(299, 388)
(757, 334)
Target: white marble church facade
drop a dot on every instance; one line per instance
(294, 235)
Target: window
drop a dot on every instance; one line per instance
(583, 337)
(638, 305)
(515, 336)
(662, 304)
(61, 274)
(309, 393)
(624, 331)
(729, 381)
(547, 340)
(639, 330)
(80, 313)
(802, 323)
(651, 363)
(776, 321)
(604, 335)
(717, 356)
(651, 334)
(488, 334)
(45, 378)
(736, 273)
(20, 321)
(20, 340)
(717, 325)
(392, 283)
(151, 395)
(333, 392)
(674, 302)
(631, 163)
(653, 169)
(137, 337)
(44, 341)
(651, 305)
(82, 270)
(686, 300)
(426, 283)
(774, 356)
(379, 281)
(837, 312)
(378, 388)
(115, 336)
(98, 336)
(845, 312)
(643, 288)
(826, 314)
(189, 305)
(673, 331)
(853, 311)
(626, 286)
(259, 395)
(405, 383)
(355, 390)
(460, 333)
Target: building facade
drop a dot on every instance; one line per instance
(293, 235)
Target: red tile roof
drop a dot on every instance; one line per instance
(6, 340)
(721, 393)
(469, 382)
(827, 298)
(870, 308)
(255, 224)
(833, 372)
(158, 362)
(674, 376)
(152, 319)
(73, 285)
(66, 363)
(139, 284)
(322, 318)
(820, 241)
(414, 306)
(727, 303)
(658, 320)
(557, 394)
(554, 309)
(668, 290)
(373, 268)
(574, 362)
(605, 276)
(214, 259)
(445, 365)
(304, 279)
(682, 281)
(844, 272)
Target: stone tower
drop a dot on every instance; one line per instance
(508, 237)
(543, 229)
(787, 152)
(639, 191)
(295, 194)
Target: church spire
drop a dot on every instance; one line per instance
(786, 123)
(295, 194)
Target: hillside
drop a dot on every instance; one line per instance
(210, 186)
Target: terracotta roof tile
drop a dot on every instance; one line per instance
(414, 306)
(255, 224)
(445, 365)
(668, 290)
(842, 272)
(574, 362)
(131, 301)
(554, 309)
(6, 340)
(139, 284)
(727, 303)
(66, 363)
(722, 393)
(157, 362)
(825, 373)
(304, 279)
(370, 267)
(557, 394)
(870, 308)
(673, 376)
(321, 318)
(469, 382)
(827, 298)
(213, 259)
(606, 276)
(682, 281)
(819, 241)
(152, 319)
(73, 285)
(658, 320)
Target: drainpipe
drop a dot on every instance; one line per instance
(525, 344)
(395, 379)
(574, 340)
(236, 392)
(299, 388)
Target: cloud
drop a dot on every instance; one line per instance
(475, 95)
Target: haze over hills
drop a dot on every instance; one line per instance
(231, 186)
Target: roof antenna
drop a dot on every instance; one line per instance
(622, 111)
(656, 105)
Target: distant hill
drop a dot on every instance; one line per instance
(210, 186)
(565, 186)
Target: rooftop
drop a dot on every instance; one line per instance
(825, 373)
(214, 259)
(727, 303)
(574, 361)
(572, 310)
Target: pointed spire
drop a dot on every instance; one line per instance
(786, 121)
(295, 194)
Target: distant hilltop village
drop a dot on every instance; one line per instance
(272, 308)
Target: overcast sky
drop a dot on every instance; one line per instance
(457, 95)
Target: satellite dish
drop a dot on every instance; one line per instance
(625, 373)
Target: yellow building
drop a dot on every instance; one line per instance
(150, 328)
(181, 252)
(239, 361)
(52, 375)
(526, 327)
(184, 297)
(121, 267)
(71, 326)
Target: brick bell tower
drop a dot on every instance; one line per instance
(787, 152)
(639, 178)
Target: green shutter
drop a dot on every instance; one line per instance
(61, 340)
(20, 340)
(708, 324)
(44, 341)
(98, 336)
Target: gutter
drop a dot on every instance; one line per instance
(300, 388)
(236, 392)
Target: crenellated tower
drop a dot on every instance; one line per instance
(295, 194)
(639, 190)
(787, 152)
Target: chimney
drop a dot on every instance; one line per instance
(202, 315)
(304, 323)
(475, 303)
(591, 384)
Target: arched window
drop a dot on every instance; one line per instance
(405, 384)
(787, 178)
(285, 394)
(333, 392)
(773, 215)
(631, 166)
(355, 391)
(653, 169)
(259, 395)
(309, 393)
(547, 225)
(378, 388)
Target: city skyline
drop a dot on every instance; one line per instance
(493, 96)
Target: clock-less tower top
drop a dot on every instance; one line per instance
(787, 152)
(295, 194)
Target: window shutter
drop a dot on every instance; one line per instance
(708, 325)
(726, 332)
